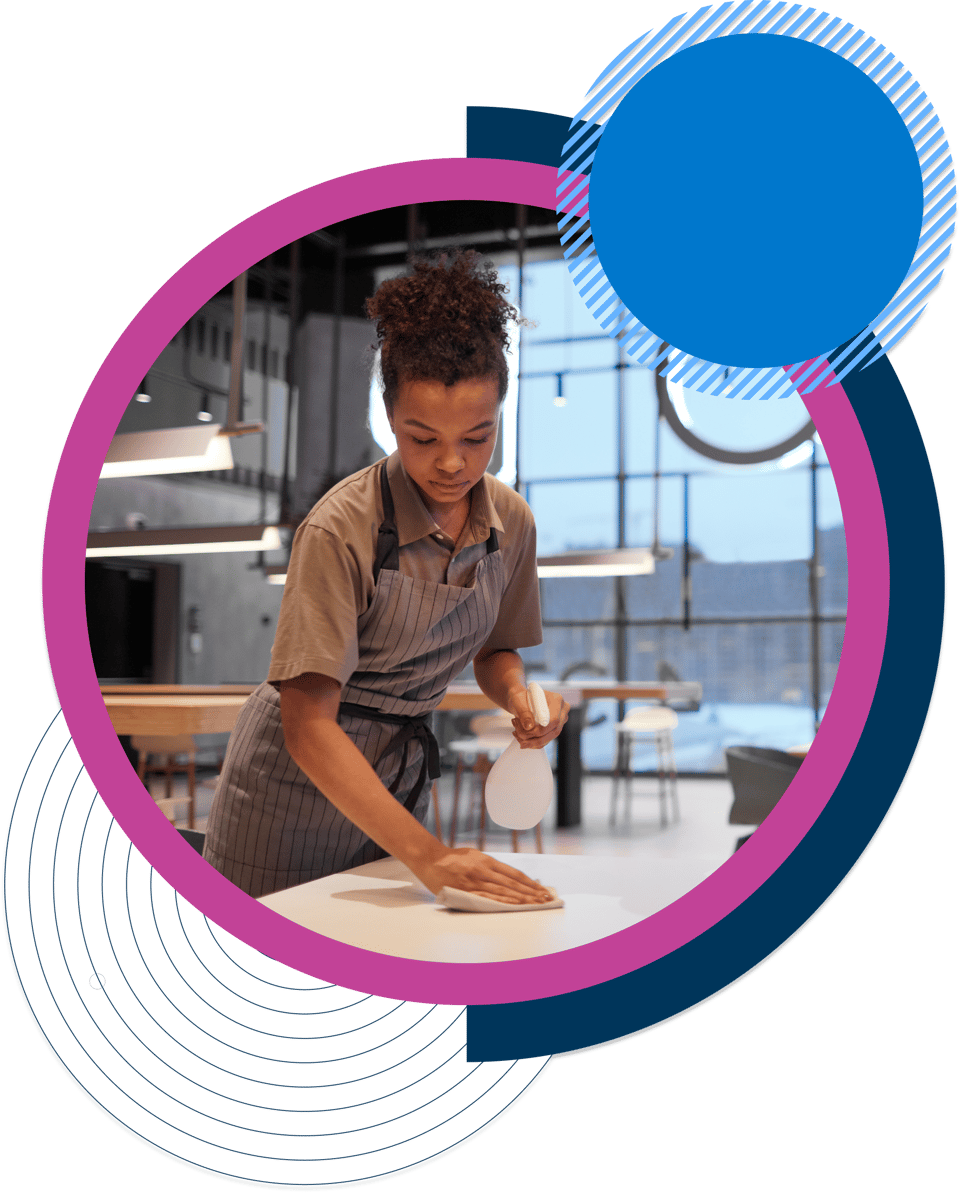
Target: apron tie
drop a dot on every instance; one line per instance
(414, 729)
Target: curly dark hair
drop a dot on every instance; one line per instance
(446, 321)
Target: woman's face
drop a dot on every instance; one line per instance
(446, 435)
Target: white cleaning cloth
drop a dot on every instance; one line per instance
(470, 901)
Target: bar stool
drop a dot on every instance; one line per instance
(493, 733)
(658, 723)
(168, 751)
(435, 801)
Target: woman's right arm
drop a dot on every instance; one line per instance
(315, 741)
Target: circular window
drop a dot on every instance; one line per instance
(722, 427)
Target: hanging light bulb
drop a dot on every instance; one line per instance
(141, 395)
(203, 414)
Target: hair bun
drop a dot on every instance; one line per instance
(446, 321)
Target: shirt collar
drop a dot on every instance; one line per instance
(414, 521)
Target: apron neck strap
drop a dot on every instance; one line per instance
(388, 541)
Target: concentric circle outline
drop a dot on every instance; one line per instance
(258, 1056)
(216, 978)
(233, 961)
(71, 794)
(236, 1021)
(293, 1039)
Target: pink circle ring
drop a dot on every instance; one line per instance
(140, 818)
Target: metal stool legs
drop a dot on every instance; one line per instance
(437, 826)
(457, 778)
(475, 802)
(623, 776)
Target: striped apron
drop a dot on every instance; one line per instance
(270, 827)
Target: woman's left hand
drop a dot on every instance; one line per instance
(528, 733)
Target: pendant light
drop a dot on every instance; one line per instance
(182, 540)
(621, 561)
(171, 449)
(275, 573)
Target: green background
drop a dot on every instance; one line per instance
(132, 138)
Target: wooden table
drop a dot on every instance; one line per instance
(467, 696)
(382, 907)
(170, 715)
(178, 689)
(169, 709)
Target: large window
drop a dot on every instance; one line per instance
(750, 597)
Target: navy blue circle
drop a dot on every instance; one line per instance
(755, 200)
(852, 814)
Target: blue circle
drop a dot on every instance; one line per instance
(755, 200)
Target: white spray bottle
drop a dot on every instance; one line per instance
(519, 787)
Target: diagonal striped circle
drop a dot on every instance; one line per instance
(199, 1043)
(817, 28)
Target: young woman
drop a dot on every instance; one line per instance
(398, 577)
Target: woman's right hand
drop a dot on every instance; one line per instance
(320, 747)
(471, 870)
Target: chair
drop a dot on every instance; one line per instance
(648, 721)
(759, 776)
(167, 751)
(435, 800)
(586, 667)
(192, 837)
(493, 733)
(668, 674)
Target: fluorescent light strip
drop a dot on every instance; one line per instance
(172, 449)
(275, 573)
(637, 563)
(626, 561)
(180, 540)
(553, 570)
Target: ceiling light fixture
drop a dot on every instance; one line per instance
(275, 573)
(203, 414)
(623, 561)
(182, 540)
(173, 449)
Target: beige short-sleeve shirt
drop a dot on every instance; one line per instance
(330, 577)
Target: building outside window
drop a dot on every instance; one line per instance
(762, 625)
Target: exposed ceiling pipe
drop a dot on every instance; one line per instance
(294, 317)
(338, 298)
(507, 238)
(521, 243)
(235, 424)
(657, 549)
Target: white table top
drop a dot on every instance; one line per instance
(382, 907)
